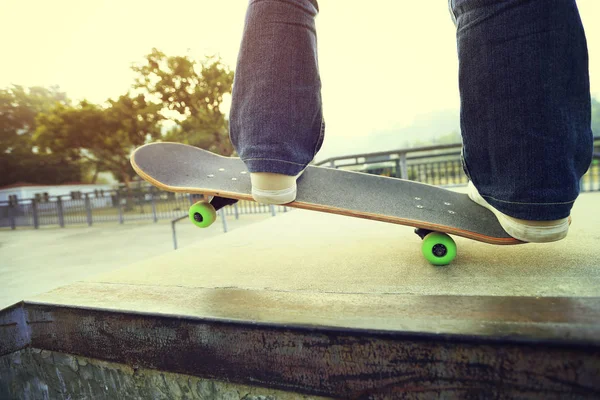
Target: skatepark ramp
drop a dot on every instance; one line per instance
(310, 305)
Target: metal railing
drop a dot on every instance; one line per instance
(437, 165)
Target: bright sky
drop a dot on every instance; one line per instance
(382, 65)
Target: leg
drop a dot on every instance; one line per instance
(276, 118)
(525, 103)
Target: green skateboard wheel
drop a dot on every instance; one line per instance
(202, 214)
(438, 248)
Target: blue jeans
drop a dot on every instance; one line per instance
(524, 90)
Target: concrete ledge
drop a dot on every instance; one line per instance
(571, 320)
(332, 306)
(319, 361)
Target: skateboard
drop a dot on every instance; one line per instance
(434, 212)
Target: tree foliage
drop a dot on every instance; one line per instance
(19, 107)
(191, 94)
(19, 162)
(46, 139)
(45, 169)
(101, 136)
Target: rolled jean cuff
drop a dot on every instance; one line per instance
(274, 166)
(532, 211)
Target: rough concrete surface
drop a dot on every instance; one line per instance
(40, 374)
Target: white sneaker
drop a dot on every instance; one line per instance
(270, 188)
(524, 230)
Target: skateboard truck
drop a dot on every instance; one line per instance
(220, 202)
(422, 232)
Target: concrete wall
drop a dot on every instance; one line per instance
(40, 374)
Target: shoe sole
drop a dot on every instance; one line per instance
(520, 231)
(276, 197)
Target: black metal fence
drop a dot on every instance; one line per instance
(144, 203)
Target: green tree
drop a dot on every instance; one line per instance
(191, 94)
(99, 136)
(19, 161)
(19, 107)
(44, 169)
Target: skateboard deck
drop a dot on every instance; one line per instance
(177, 167)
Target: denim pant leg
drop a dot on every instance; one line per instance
(525, 103)
(276, 122)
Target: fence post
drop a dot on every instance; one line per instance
(11, 216)
(222, 215)
(237, 213)
(174, 234)
(61, 215)
(34, 208)
(403, 168)
(119, 207)
(88, 209)
(272, 207)
(153, 202)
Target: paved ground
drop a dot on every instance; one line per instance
(35, 261)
